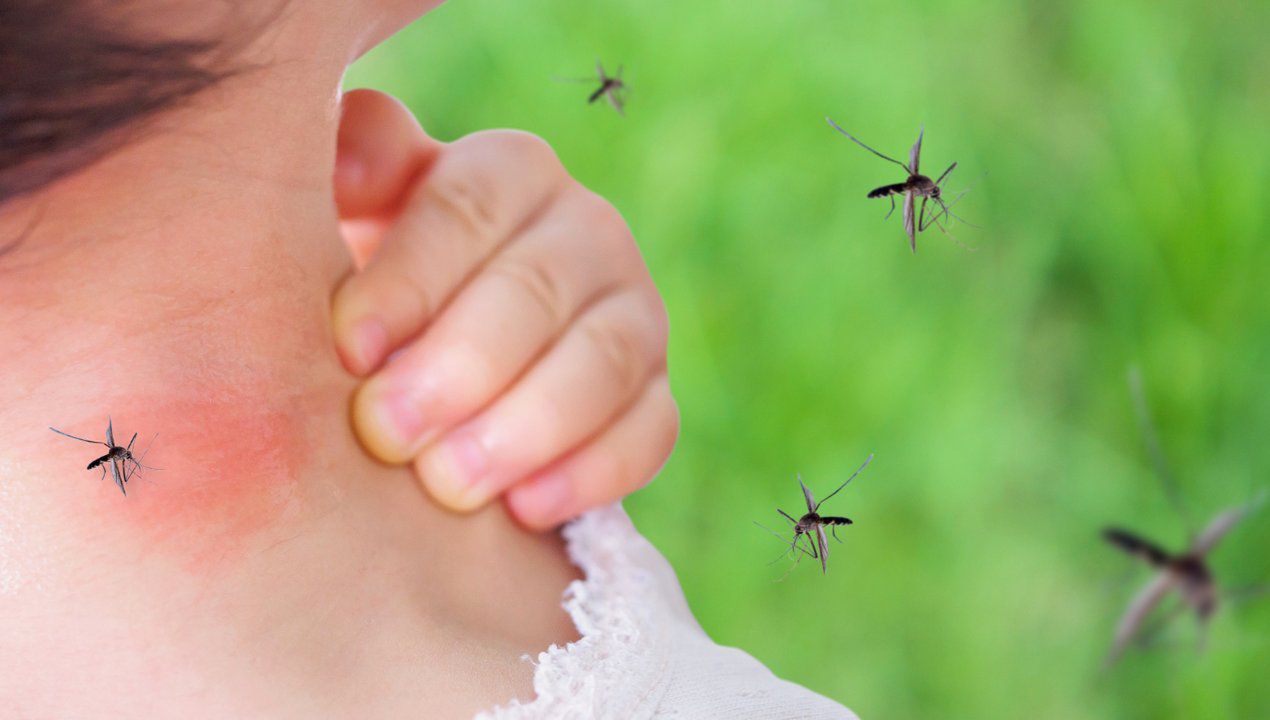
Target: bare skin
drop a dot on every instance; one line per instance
(183, 285)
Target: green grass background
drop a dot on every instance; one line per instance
(1124, 212)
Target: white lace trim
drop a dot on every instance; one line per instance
(619, 667)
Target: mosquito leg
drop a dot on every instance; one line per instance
(95, 442)
(934, 218)
(942, 229)
(790, 570)
(1245, 594)
(835, 126)
(1150, 635)
(891, 211)
(792, 546)
(787, 516)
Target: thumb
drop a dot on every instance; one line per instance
(380, 151)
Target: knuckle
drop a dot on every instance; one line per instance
(660, 320)
(620, 472)
(401, 294)
(618, 350)
(534, 278)
(603, 213)
(669, 428)
(466, 198)
(468, 373)
(525, 145)
(530, 145)
(608, 227)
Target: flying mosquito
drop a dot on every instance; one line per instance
(612, 87)
(1186, 572)
(812, 524)
(116, 458)
(914, 187)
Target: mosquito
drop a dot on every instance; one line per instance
(612, 87)
(116, 458)
(1187, 572)
(812, 524)
(914, 187)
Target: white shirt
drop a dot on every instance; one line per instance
(641, 653)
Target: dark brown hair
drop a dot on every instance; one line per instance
(74, 85)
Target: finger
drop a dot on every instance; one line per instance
(582, 383)
(516, 306)
(380, 150)
(622, 459)
(380, 153)
(476, 193)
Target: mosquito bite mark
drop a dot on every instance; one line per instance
(231, 473)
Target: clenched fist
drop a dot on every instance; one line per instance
(512, 340)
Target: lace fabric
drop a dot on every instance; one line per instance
(641, 654)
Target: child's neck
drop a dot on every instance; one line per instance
(181, 287)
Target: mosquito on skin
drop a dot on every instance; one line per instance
(612, 87)
(915, 186)
(1187, 572)
(812, 524)
(116, 458)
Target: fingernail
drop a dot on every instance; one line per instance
(370, 343)
(389, 419)
(454, 471)
(543, 501)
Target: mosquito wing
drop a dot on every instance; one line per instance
(618, 103)
(824, 548)
(910, 222)
(1222, 524)
(1139, 610)
(120, 478)
(914, 155)
(110, 431)
(811, 501)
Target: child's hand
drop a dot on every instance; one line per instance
(528, 341)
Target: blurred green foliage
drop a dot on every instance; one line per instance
(1125, 219)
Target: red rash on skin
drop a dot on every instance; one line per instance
(231, 470)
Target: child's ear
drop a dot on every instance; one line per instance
(381, 151)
